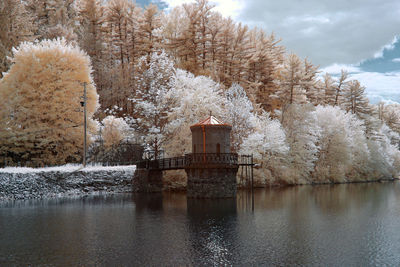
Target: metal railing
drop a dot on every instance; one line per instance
(212, 158)
(194, 159)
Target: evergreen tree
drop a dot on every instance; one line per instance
(15, 27)
(355, 101)
(291, 78)
(310, 83)
(52, 19)
(341, 84)
(329, 90)
(92, 41)
(149, 23)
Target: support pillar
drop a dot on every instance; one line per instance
(147, 181)
(211, 182)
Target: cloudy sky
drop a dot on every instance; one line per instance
(359, 35)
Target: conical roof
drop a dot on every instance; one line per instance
(210, 121)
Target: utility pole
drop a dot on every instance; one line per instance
(84, 123)
(252, 182)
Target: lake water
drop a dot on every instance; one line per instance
(340, 225)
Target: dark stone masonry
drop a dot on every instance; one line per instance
(147, 181)
(211, 182)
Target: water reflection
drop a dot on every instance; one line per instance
(210, 224)
(342, 225)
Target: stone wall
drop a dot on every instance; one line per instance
(211, 182)
(147, 181)
(55, 183)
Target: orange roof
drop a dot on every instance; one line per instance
(211, 121)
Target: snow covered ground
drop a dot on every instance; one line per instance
(25, 183)
(67, 168)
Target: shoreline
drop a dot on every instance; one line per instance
(69, 181)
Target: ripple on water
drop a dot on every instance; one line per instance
(343, 225)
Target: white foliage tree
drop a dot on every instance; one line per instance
(390, 114)
(385, 156)
(192, 99)
(343, 153)
(267, 143)
(114, 130)
(302, 134)
(154, 80)
(240, 114)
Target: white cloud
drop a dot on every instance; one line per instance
(327, 31)
(337, 68)
(228, 8)
(390, 46)
(380, 86)
(305, 18)
(396, 59)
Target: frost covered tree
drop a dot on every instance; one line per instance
(390, 114)
(114, 130)
(154, 80)
(267, 143)
(192, 99)
(385, 155)
(301, 134)
(240, 113)
(41, 116)
(343, 154)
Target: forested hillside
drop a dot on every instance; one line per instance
(156, 73)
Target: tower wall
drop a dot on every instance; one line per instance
(214, 135)
(215, 177)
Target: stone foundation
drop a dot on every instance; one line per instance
(147, 181)
(211, 182)
(48, 184)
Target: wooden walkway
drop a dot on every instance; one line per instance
(197, 159)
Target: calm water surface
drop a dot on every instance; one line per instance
(341, 225)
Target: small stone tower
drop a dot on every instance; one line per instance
(212, 168)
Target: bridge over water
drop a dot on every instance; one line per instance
(210, 174)
(195, 160)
